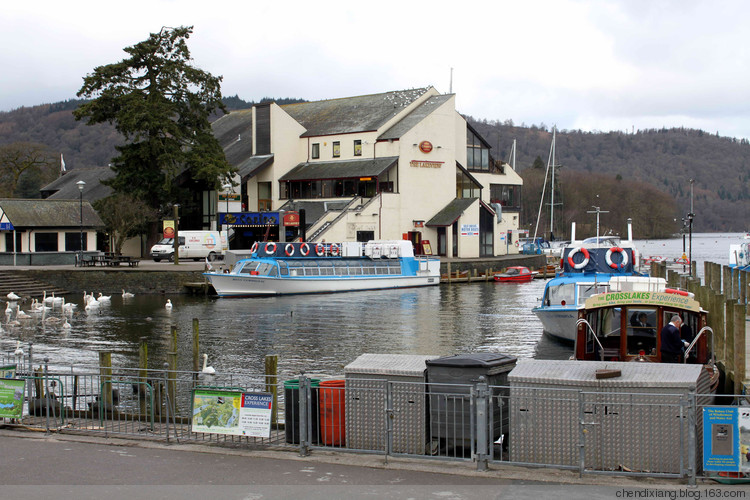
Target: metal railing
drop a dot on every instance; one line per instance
(591, 431)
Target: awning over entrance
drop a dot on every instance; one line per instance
(345, 169)
(451, 212)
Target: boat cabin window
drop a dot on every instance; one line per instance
(586, 290)
(561, 295)
(641, 329)
(606, 325)
(259, 268)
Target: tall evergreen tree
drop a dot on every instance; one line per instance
(161, 104)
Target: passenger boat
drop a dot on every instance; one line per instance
(587, 267)
(298, 268)
(609, 329)
(515, 274)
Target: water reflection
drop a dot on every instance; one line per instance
(319, 333)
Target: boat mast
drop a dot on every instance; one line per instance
(550, 164)
(597, 211)
(552, 187)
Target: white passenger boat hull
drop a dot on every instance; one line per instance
(231, 285)
(559, 323)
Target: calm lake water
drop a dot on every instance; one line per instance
(320, 334)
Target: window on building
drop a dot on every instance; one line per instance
(357, 148)
(46, 242)
(466, 187)
(315, 151)
(477, 152)
(506, 195)
(73, 242)
(336, 149)
(264, 196)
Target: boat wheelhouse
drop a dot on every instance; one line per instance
(624, 323)
(298, 268)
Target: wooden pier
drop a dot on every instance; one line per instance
(724, 294)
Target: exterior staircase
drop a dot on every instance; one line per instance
(24, 286)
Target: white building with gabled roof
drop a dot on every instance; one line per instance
(395, 165)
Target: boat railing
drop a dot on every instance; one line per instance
(695, 341)
(583, 321)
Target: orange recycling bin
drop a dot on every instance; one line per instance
(332, 412)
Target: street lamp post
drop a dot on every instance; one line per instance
(80, 185)
(176, 242)
(226, 187)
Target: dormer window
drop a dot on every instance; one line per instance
(315, 153)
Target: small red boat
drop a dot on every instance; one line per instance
(515, 274)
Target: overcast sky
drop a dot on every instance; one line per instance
(590, 65)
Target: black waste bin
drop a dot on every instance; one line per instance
(292, 411)
(449, 380)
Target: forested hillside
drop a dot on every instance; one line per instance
(665, 159)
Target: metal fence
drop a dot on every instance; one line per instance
(591, 432)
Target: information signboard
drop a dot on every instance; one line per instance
(11, 397)
(726, 438)
(229, 412)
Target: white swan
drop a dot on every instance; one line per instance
(105, 299)
(12, 296)
(66, 325)
(18, 352)
(168, 305)
(68, 307)
(127, 295)
(21, 314)
(86, 298)
(8, 310)
(208, 370)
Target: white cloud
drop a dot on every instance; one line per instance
(577, 64)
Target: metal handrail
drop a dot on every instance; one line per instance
(695, 340)
(593, 334)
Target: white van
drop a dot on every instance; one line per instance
(195, 245)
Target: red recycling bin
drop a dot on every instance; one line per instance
(332, 412)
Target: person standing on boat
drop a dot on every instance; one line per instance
(672, 344)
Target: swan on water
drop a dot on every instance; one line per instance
(127, 295)
(168, 305)
(208, 370)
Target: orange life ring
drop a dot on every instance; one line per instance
(320, 250)
(516, 243)
(334, 249)
(270, 248)
(289, 249)
(304, 249)
(581, 264)
(622, 252)
(254, 248)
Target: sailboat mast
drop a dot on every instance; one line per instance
(552, 186)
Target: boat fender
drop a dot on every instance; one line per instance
(289, 249)
(254, 248)
(622, 252)
(304, 249)
(270, 248)
(581, 264)
(320, 250)
(334, 250)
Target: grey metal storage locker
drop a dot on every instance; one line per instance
(631, 421)
(449, 380)
(368, 379)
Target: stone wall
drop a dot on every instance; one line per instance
(113, 281)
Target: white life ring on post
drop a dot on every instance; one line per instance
(304, 249)
(289, 249)
(622, 252)
(270, 248)
(320, 250)
(254, 248)
(581, 264)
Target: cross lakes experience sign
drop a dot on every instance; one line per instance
(663, 299)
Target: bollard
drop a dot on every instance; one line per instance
(196, 347)
(142, 375)
(45, 394)
(105, 373)
(272, 384)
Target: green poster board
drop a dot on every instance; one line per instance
(11, 397)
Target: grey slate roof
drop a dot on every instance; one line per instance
(233, 126)
(416, 116)
(65, 188)
(56, 214)
(351, 114)
(451, 212)
(343, 169)
(251, 166)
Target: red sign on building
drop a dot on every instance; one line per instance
(291, 219)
